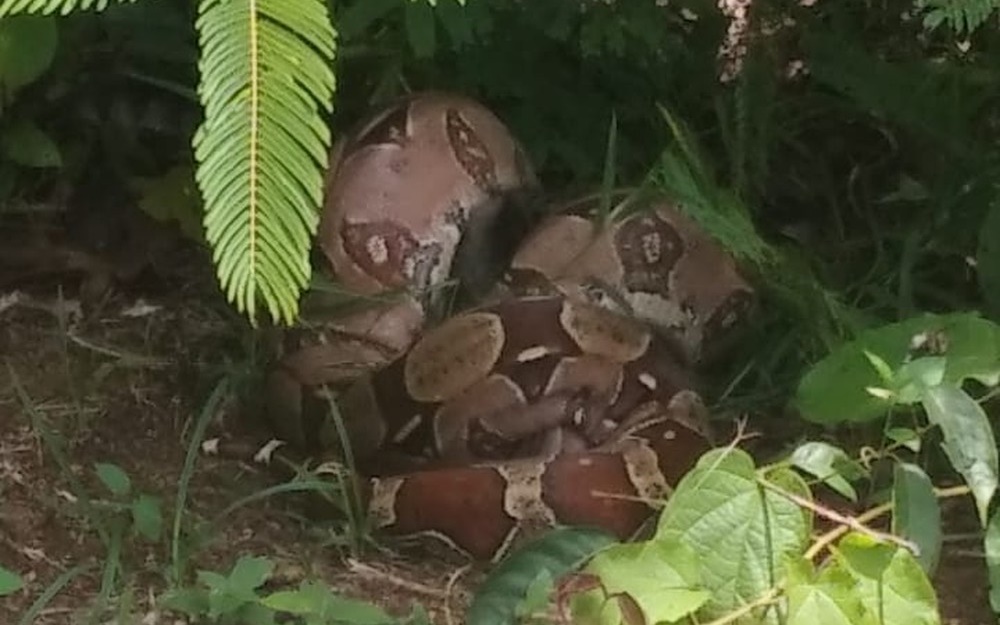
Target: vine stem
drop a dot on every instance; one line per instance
(866, 517)
(768, 597)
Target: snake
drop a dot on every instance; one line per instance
(565, 393)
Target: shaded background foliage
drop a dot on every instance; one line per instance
(871, 174)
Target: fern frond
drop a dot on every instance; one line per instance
(266, 76)
(964, 16)
(47, 7)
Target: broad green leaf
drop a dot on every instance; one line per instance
(113, 478)
(557, 551)
(661, 576)
(835, 389)
(10, 582)
(254, 614)
(830, 464)
(991, 545)
(916, 513)
(147, 517)
(27, 47)
(421, 28)
(906, 437)
(824, 599)
(968, 441)
(916, 376)
(738, 528)
(230, 593)
(901, 593)
(313, 599)
(250, 572)
(26, 144)
(866, 555)
(536, 597)
(881, 367)
(973, 350)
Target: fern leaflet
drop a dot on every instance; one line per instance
(964, 16)
(47, 7)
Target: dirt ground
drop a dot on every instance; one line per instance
(124, 386)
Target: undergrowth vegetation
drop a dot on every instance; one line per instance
(846, 152)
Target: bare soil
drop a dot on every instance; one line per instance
(124, 386)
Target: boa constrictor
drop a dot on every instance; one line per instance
(567, 397)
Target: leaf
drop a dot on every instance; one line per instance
(963, 17)
(249, 572)
(26, 144)
(916, 376)
(834, 389)
(881, 367)
(557, 551)
(916, 513)
(991, 545)
(27, 47)
(536, 596)
(661, 576)
(420, 28)
(824, 599)
(147, 517)
(190, 601)
(830, 464)
(172, 196)
(973, 349)
(738, 528)
(866, 555)
(968, 441)
(228, 594)
(262, 149)
(10, 582)
(901, 593)
(113, 478)
(906, 437)
(313, 599)
(47, 7)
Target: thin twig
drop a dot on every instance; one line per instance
(371, 572)
(449, 588)
(767, 598)
(847, 522)
(874, 513)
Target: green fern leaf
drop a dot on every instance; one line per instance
(266, 77)
(964, 16)
(47, 7)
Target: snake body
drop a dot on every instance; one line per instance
(567, 396)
